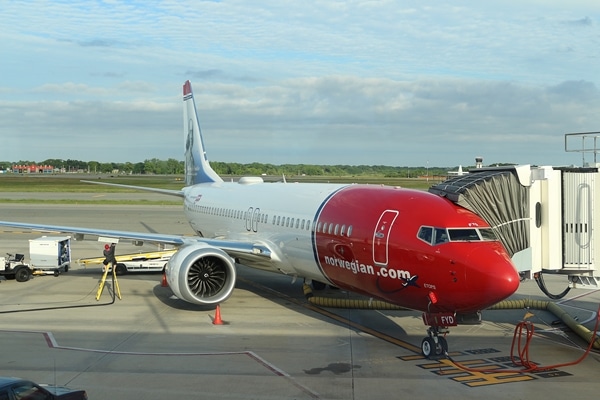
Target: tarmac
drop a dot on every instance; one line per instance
(272, 343)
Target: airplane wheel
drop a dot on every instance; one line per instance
(427, 347)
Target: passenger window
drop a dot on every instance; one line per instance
(302, 226)
(350, 231)
(343, 230)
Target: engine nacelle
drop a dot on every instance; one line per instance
(201, 274)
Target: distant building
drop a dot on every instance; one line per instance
(478, 162)
(32, 169)
(460, 172)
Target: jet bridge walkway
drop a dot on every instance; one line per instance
(545, 217)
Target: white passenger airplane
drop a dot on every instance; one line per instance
(411, 248)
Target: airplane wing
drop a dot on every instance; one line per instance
(178, 193)
(252, 252)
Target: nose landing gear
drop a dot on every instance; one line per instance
(434, 345)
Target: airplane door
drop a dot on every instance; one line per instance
(252, 216)
(249, 216)
(381, 236)
(255, 217)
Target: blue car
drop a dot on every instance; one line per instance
(22, 389)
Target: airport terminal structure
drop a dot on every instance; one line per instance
(545, 216)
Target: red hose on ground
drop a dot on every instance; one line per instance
(523, 358)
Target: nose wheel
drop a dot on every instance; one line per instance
(434, 345)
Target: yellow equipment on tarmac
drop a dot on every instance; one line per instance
(137, 262)
(103, 281)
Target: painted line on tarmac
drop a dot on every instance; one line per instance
(52, 343)
(491, 369)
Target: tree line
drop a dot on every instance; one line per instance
(175, 167)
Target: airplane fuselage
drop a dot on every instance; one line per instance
(363, 238)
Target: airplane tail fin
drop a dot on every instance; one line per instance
(197, 167)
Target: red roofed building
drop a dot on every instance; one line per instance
(32, 169)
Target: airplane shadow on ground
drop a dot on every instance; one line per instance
(281, 290)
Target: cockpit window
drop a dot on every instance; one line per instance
(425, 234)
(432, 236)
(441, 236)
(435, 236)
(487, 234)
(463, 234)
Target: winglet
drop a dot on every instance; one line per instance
(197, 167)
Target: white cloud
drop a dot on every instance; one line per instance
(359, 81)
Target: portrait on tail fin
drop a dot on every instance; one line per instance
(190, 166)
(197, 167)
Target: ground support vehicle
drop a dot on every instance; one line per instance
(138, 262)
(14, 267)
(51, 253)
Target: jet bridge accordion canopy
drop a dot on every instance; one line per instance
(497, 196)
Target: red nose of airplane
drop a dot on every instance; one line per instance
(492, 276)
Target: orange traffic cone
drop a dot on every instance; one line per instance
(218, 320)
(163, 281)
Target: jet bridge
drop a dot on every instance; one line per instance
(545, 217)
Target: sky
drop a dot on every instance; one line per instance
(352, 82)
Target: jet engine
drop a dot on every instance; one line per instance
(201, 274)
